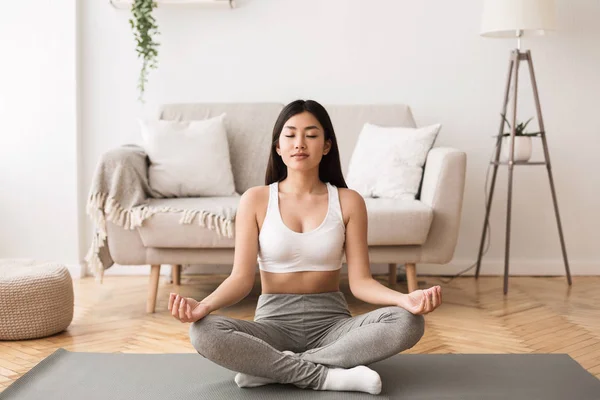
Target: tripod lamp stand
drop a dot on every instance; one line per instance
(514, 19)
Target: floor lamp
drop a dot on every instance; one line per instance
(513, 19)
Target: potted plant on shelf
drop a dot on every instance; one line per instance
(144, 29)
(522, 142)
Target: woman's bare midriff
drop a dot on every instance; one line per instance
(300, 282)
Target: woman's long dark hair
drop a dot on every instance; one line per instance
(330, 168)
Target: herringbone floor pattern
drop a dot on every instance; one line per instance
(539, 315)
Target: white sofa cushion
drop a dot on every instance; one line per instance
(348, 121)
(249, 130)
(188, 158)
(397, 222)
(388, 162)
(391, 222)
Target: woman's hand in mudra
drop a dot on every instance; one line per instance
(422, 301)
(186, 309)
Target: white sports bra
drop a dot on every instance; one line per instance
(284, 250)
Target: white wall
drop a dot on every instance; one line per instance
(38, 138)
(426, 54)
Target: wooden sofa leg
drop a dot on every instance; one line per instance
(153, 289)
(176, 274)
(411, 277)
(392, 274)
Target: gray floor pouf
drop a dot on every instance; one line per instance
(36, 299)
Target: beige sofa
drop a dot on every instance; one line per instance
(400, 232)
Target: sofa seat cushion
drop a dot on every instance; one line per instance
(164, 229)
(391, 222)
(397, 222)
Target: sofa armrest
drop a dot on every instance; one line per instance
(122, 174)
(442, 190)
(120, 183)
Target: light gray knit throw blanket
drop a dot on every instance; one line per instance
(120, 193)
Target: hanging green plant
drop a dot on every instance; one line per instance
(144, 29)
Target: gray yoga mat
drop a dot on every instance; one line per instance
(66, 375)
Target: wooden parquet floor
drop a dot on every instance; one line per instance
(539, 315)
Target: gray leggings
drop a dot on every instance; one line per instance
(318, 327)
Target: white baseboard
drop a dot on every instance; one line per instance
(76, 270)
(488, 268)
(516, 268)
(117, 270)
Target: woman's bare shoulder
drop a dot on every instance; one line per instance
(351, 202)
(257, 190)
(256, 196)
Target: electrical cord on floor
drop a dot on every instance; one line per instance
(489, 230)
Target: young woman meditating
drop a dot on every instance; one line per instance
(298, 227)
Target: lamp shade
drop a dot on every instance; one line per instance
(504, 18)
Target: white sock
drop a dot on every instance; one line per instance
(245, 380)
(357, 379)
